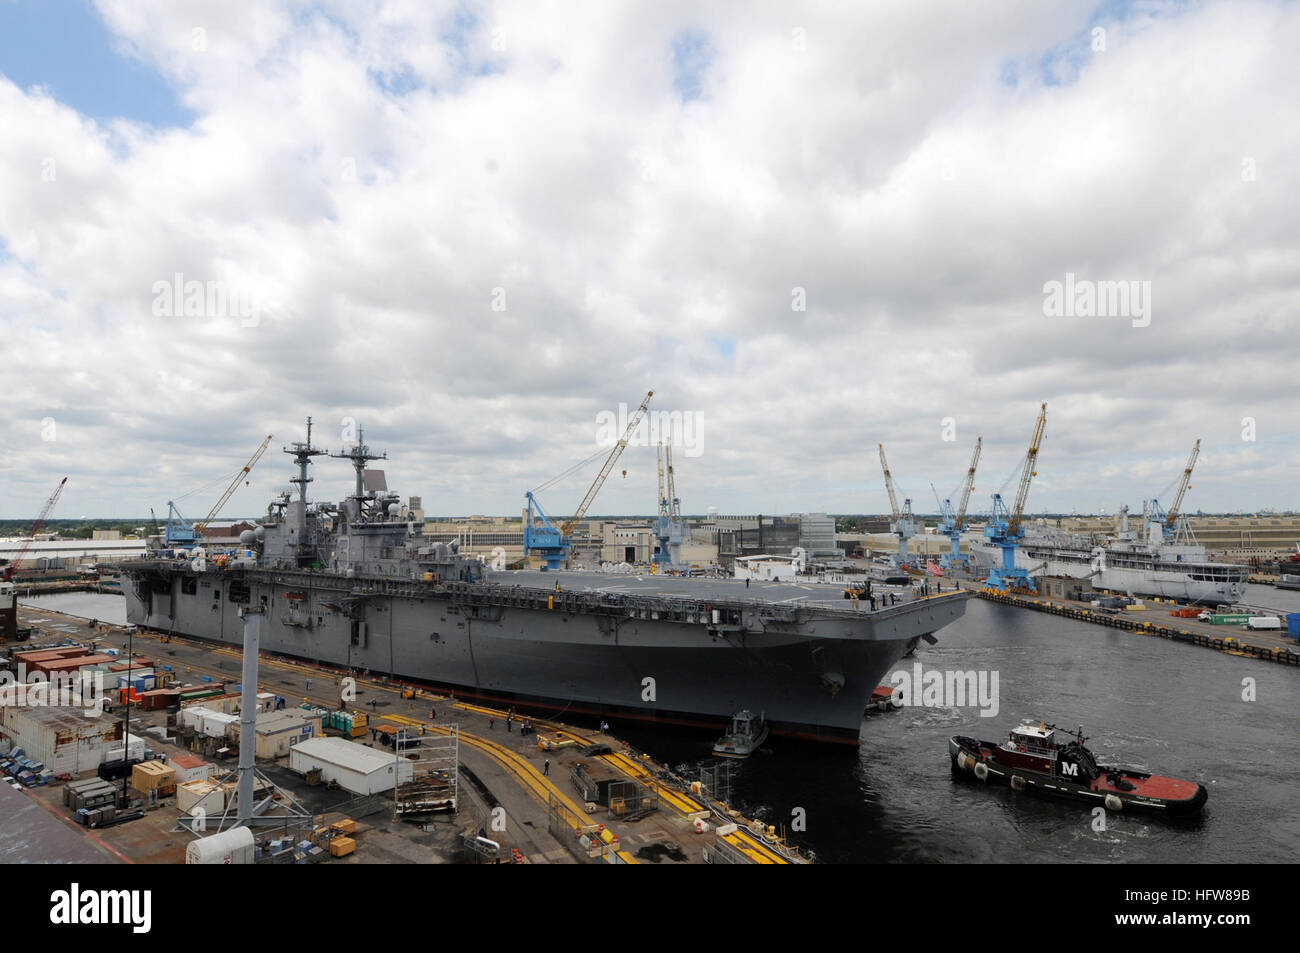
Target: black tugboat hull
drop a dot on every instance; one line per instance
(970, 758)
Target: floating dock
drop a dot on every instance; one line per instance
(1155, 621)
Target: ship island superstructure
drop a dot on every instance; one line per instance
(355, 585)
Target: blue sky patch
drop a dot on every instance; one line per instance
(1062, 63)
(64, 46)
(692, 55)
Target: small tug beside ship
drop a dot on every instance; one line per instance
(748, 732)
(1035, 756)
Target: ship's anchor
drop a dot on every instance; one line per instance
(832, 682)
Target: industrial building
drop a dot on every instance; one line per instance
(65, 740)
(279, 731)
(356, 767)
(190, 768)
(765, 568)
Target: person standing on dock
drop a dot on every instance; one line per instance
(309, 684)
(433, 715)
(492, 723)
(546, 768)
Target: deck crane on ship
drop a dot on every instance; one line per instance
(1005, 528)
(903, 524)
(553, 543)
(954, 522)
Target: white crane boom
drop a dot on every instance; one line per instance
(1172, 516)
(581, 511)
(889, 484)
(1027, 476)
(960, 521)
(201, 526)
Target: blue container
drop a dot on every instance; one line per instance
(1293, 625)
(167, 668)
(206, 678)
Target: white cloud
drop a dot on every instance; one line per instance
(376, 171)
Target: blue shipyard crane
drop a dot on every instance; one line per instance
(668, 527)
(954, 522)
(1170, 521)
(180, 533)
(1005, 529)
(553, 543)
(903, 524)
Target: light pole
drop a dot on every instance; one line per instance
(126, 723)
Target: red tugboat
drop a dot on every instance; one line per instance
(1039, 757)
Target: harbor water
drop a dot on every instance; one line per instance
(1144, 702)
(106, 607)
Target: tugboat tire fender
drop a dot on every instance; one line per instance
(1113, 803)
(981, 770)
(1017, 783)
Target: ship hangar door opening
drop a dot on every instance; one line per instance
(629, 554)
(159, 598)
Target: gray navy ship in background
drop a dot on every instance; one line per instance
(357, 586)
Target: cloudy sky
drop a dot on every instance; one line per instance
(473, 228)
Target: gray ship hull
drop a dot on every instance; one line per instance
(660, 649)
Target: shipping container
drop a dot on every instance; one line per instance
(152, 776)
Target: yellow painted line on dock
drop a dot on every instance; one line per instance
(532, 780)
(754, 848)
(682, 803)
(744, 848)
(741, 839)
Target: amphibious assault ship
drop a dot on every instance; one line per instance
(356, 585)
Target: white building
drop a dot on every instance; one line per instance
(65, 740)
(765, 568)
(356, 767)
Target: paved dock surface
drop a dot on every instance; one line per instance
(1155, 620)
(543, 817)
